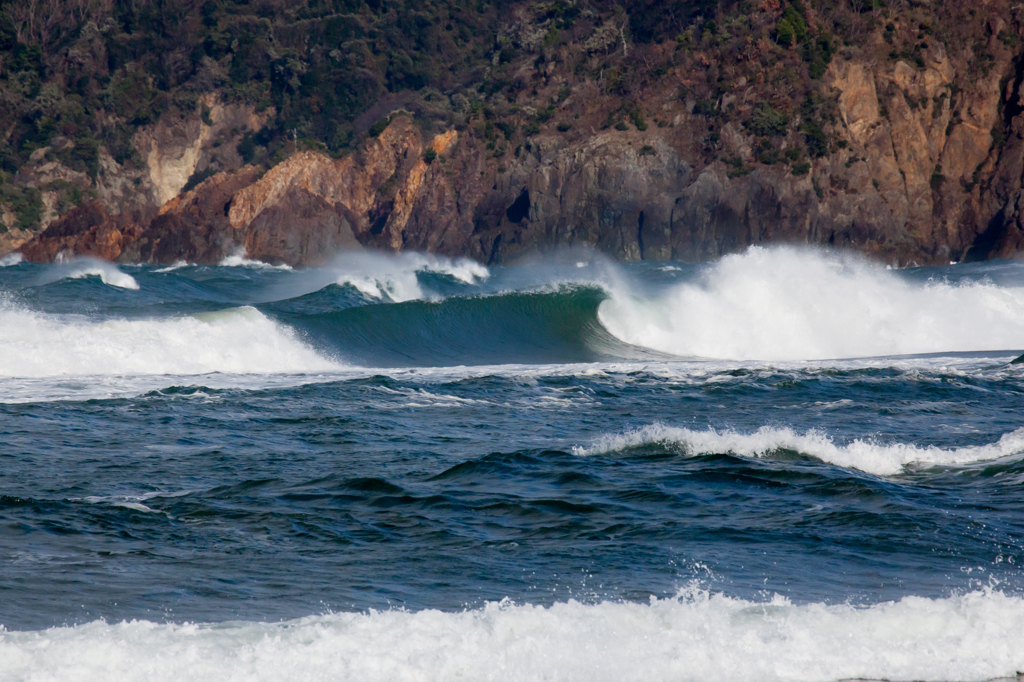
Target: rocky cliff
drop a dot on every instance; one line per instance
(907, 144)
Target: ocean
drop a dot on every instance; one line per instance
(788, 464)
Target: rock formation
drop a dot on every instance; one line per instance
(914, 158)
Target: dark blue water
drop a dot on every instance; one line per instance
(303, 445)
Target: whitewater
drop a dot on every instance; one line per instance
(787, 464)
(695, 636)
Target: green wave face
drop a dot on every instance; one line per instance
(559, 326)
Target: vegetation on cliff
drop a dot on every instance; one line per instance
(80, 78)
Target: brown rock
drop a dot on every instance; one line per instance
(352, 181)
(194, 227)
(858, 100)
(87, 230)
(301, 228)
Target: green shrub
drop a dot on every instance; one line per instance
(429, 155)
(766, 153)
(795, 20)
(638, 118)
(818, 53)
(25, 202)
(507, 129)
(817, 141)
(784, 33)
(378, 127)
(86, 155)
(739, 169)
(246, 148)
(799, 169)
(198, 177)
(767, 122)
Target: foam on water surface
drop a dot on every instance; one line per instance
(238, 260)
(394, 276)
(697, 636)
(792, 304)
(78, 268)
(382, 277)
(241, 340)
(171, 268)
(884, 459)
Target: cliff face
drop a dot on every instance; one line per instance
(163, 158)
(88, 230)
(917, 157)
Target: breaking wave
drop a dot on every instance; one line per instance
(240, 340)
(875, 458)
(387, 310)
(238, 260)
(394, 277)
(517, 327)
(78, 268)
(382, 277)
(792, 304)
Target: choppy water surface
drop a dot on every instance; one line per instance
(784, 465)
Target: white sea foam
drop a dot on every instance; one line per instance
(382, 276)
(134, 502)
(10, 259)
(171, 268)
(791, 304)
(695, 637)
(238, 260)
(240, 340)
(884, 459)
(77, 268)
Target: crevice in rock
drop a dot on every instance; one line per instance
(379, 217)
(493, 259)
(1014, 108)
(640, 234)
(985, 243)
(520, 208)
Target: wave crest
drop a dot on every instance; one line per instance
(78, 268)
(238, 260)
(874, 458)
(394, 277)
(240, 340)
(800, 304)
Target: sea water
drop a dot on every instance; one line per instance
(784, 465)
